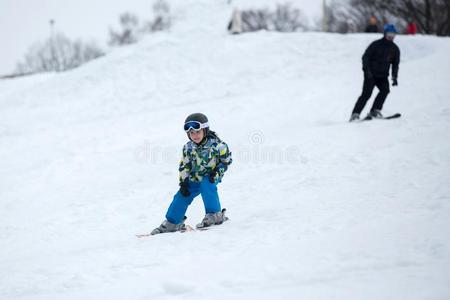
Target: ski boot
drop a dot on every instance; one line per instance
(213, 219)
(167, 226)
(375, 114)
(354, 117)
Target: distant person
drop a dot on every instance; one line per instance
(235, 25)
(351, 26)
(411, 28)
(372, 26)
(376, 62)
(385, 21)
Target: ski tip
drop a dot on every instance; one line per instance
(394, 116)
(188, 228)
(139, 236)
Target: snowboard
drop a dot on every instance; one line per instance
(394, 116)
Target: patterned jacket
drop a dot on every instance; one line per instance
(201, 160)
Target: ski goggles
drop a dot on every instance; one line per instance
(195, 125)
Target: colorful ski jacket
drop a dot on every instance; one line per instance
(212, 155)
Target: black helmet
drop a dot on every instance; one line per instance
(199, 117)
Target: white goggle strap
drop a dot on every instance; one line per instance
(202, 125)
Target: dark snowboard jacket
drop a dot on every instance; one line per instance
(379, 56)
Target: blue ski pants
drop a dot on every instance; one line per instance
(180, 203)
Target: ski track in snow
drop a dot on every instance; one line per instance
(319, 208)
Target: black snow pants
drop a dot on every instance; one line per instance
(382, 84)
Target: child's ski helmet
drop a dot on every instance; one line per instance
(200, 118)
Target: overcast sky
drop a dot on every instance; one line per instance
(23, 22)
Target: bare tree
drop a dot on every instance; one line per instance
(128, 33)
(431, 16)
(161, 19)
(57, 54)
(285, 19)
(339, 17)
(254, 20)
(288, 19)
(131, 30)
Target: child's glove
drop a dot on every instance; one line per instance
(212, 176)
(184, 188)
(394, 81)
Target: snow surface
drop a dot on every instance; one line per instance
(319, 208)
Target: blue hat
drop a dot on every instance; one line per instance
(390, 28)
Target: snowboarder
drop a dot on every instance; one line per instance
(376, 61)
(204, 161)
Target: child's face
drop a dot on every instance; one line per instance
(197, 136)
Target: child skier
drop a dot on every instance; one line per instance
(204, 162)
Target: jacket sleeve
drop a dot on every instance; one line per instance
(224, 159)
(366, 57)
(185, 165)
(395, 63)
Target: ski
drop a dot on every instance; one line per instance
(139, 236)
(394, 116)
(188, 228)
(185, 229)
(209, 227)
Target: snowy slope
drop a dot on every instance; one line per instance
(319, 208)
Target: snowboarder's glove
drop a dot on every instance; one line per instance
(394, 81)
(184, 188)
(368, 74)
(212, 176)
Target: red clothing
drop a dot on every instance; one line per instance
(411, 29)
